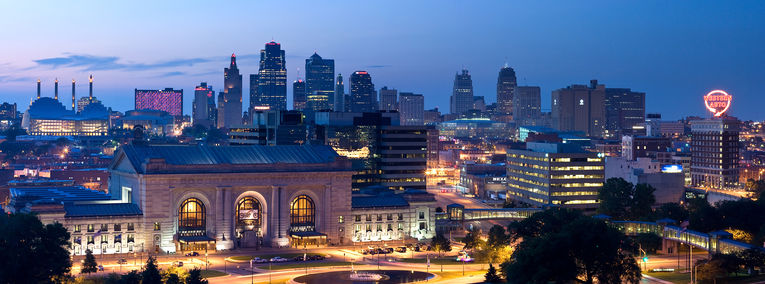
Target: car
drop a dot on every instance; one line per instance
(259, 260)
(193, 253)
(301, 258)
(178, 263)
(401, 249)
(278, 259)
(122, 261)
(316, 257)
(364, 251)
(100, 267)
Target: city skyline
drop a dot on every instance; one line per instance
(693, 56)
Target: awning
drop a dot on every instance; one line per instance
(194, 239)
(308, 235)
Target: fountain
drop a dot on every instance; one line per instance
(364, 276)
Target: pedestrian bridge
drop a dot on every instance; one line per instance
(457, 212)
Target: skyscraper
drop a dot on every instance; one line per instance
(411, 108)
(253, 91)
(272, 77)
(230, 101)
(200, 111)
(168, 100)
(580, 108)
(462, 95)
(715, 152)
(320, 82)
(298, 95)
(339, 94)
(363, 95)
(527, 105)
(506, 83)
(388, 98)
(625, 112)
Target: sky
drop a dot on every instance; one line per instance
(674, 51)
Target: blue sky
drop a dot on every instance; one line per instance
(675, 51)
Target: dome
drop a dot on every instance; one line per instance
(47, 108)
(95, 110)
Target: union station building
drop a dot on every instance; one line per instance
(168, 198)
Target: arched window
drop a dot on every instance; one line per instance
(302, 211)
(248, 214)
(191, 216)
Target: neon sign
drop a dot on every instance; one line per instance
(717, 102)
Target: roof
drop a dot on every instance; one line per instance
(57, 193)
(253, 155)
(88, 210)
(378, 201)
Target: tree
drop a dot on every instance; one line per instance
(491, 275)
(623, 201)
(472, 239)
(497, 237)
(195, 277)
(673, 211)
(581, 248)
(752, 258)
(439, 243)
(89, 265)
(439, 209)
(642, 201)
(215, 136)
(151, 274)
(717, 266)
(174, 274)
(31, 252)
(702, 216)
(132, 277)
(648, 242)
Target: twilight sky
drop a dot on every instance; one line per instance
(675, 51)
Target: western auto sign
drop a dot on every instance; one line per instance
(717, 102)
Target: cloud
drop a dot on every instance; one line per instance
(92, 62)
(174, 73)
(378, 66)
(8, 79)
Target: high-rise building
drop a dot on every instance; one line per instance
(253, 91)
(411, 108)
(388, 98)
(298, 94)
(462, 95)
(715, 152)
(527, 105)
(625, 112)
(339, 94)
(168, 100)
(272, 77)
(363, 95)
(200, 111)
(230, 101)
(506, 84)
(320, 82)
(580, 108)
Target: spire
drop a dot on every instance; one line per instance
(55, 89)
(38, 88)
(233, 60)
(91, 87)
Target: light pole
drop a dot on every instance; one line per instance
(207, 263)
(305, 257)
(269, 272)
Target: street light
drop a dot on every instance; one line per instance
(207, 264)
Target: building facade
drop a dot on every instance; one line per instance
(580, 108)
(527, 106)
(715, 153)
(411, 108)
(272, 77)
(388, 99)
(339, 94)
(506, 84)
(320, 82)
(203, 108)
(298, 94)
(230, 100)
(363, 94)
(625, 112)
(168, 100)
(462, 93)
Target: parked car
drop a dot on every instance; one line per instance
(259, 260)
(401, 249)
(278, 259)
(178, 263)
(316, 257)
(122, 261)
(364, 251)
(193, 253)
(300, 258)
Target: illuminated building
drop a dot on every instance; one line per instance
(203, 107)
(475, 128)
(84, 101)
(320, 82)
(715, 153)
(668, 180)
(625, 112)
(363, 94)
(48, 117)
(484, 181)
(634, 147)
(527, 106)
(506, 84)
(8, 115)
(387, 216)
(339, 94)
(168, 100)
(253, 91)
(462, 93)
(298, 95)
(554, 174)
(152, 122)
(580, 108)
(230, 100)
(272, 78)
(388, 99)
(411, 108)
(271, 127)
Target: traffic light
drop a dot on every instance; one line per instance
(645, 259)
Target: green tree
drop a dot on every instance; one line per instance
(642, 202)
(624, 201)
(31, 252)
(440, 244)
(195, 277)
(132, 277)
(673, 211)
(548, 221)
(648, 242)
(172, 278)
(89, 265)
(702, 216)
(151, 274)
(497, 237)
(472, 239)
(717, 266)
(752, 258)
(491, 275)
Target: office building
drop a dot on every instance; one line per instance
(554, 174)
(320, 82)
(462, 93)
(8, 115)
(204, 103)
(272, 77)
(253, 92)
(527, 106)
(363, 94)
(432, 116)
(715, 153)
(580, 108)
(82, 102)
(506, 84)
(168, 100)
(298, 95)
(230, 100)
(634, 147)
(339, 94)
(668, 180)
(388, 99)
(625, 112)
(411, 108)
(152, 122)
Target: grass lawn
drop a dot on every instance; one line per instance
(212, 273)
(438, 261)
(458, 274)
(269, 256)
(686, 278)
(295, 265)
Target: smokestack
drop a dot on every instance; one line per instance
(91, 87)
(38, 88)
(55, 93)
(73, 99)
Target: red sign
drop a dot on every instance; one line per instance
(718, 102)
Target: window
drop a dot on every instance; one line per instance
(77, 228)
(191, 216)
(422, 226)
(118, 238)
(90, 240)
(157, 226)
(358, 228)
(131, 238)
(400, 216)
(368, 228)
(379, 227)
(104, 239)
(358, 218)
(379, 217)
(390, 227)
(77, 240)
(369, 217)
(340, 219)
(422, 215)
(104, 227)
(131, 227)
(248, 214)
(117, 227)
(390, 217)
(400, 226)
(90, 228)
(302, 211)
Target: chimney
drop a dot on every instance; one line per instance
(91, 87)
(73, 98)
(38, 88)
(55, 93)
